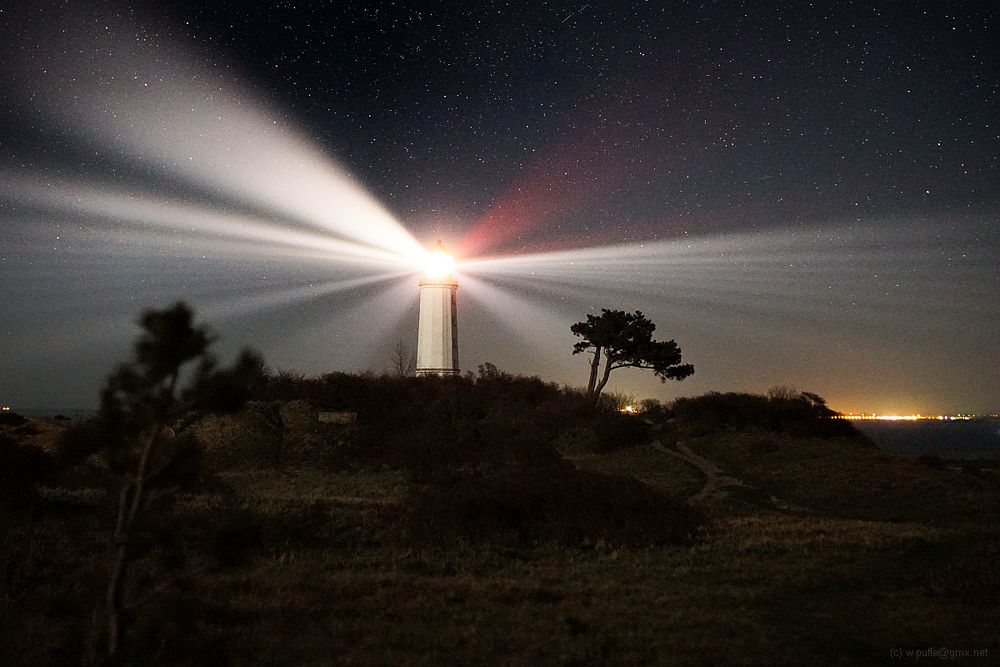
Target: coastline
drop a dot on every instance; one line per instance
(957, 440)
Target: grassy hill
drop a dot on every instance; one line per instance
(499, 521)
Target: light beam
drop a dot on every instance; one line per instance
(143, 97)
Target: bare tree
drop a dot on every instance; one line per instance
(404, 360)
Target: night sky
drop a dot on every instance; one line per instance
(798, 193)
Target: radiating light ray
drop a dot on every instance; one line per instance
(169, 110)
(96, 241)
(525, 319)
(238, 306)
(748, 252)
(812, 274)
(382, 314)
(122, 206)
(352, 336)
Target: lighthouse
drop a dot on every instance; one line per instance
(437, 330)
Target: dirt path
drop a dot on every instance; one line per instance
(717, 482)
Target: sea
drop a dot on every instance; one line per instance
(76, 414)
(974, 439)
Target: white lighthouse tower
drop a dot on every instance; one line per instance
(437, 331)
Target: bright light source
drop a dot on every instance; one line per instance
(439, 264)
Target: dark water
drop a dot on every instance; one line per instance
(947, 439)
(72, 413)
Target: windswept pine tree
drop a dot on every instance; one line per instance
(145, 414)
(625, 340)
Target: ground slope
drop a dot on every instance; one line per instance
(816, 551)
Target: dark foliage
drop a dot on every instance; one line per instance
(182, 469)
(308, 525)
(11, 419)
(22, 468)
(803, 415)
(234, 536)
(932, 461)
(556, 503)
(481, 455)
(142, 430)
(426, 425)
(615, 431)
(78, 460)
(171, 631)
(225, 391)
(79, 442)
(626, 341)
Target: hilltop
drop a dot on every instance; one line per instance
(499, 519)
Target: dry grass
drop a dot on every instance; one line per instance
(892, 556)
(304, 483)
(758, 590)
(844, 477)
(646, 464)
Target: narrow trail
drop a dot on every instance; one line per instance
(716, 481)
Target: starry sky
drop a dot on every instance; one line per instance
(802, 194)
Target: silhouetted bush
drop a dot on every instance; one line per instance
(480, 451)
(932, 461)
(234, 535)
(804, 415)
(304, 526)
(172, 631)
(11, 419)
(76, 463)
(429, 447)
(654, 410)
(552, 504)
(79, 441)
(22, 468)
(427, 424)
(421, 424)
(616, 431)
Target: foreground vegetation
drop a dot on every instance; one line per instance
(502, 520)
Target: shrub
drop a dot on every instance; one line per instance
(22, 468)
(578, 440)
(553, 504)
(933, 461)
(426, 424)
(11, 419)
(804, 415)
(654, 410)
(234, 535)
(617, 431)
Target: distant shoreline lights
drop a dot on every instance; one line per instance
(905, 418)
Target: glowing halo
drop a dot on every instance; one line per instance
(439, 264)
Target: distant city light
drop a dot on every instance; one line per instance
(910, 418)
